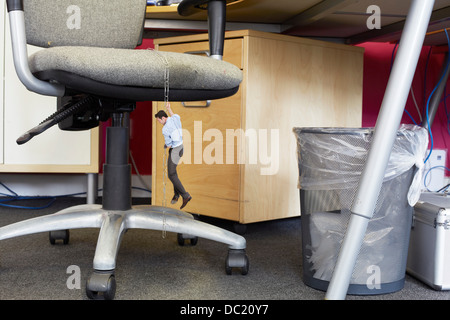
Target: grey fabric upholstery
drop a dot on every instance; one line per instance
(90, 47)
(76, 22)
(141, 68)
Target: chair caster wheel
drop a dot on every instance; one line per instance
(236, 259)
(183, 237)
(101, 286)
(59, 235)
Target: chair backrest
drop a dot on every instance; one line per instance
(100, 23)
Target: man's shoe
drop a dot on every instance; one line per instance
(185, 201)
(175, 199)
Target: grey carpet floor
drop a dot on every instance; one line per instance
(150, 267)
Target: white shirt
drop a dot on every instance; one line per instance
(172, 132)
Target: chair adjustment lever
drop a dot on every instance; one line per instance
(56, 118)
(34, 131)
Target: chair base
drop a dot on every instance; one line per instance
(113, 224)
(116, 215)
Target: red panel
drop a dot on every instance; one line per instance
(140, 131)
(377, 65)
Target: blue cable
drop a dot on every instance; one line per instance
(412, 119)
(429, 170)
(425, 79)
(393, 54)
(392, 64)
(15, 197)
(3, 204)
(429, 98)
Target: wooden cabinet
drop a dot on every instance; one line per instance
(52, 151)
(240, 161)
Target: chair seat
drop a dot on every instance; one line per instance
(143, 71)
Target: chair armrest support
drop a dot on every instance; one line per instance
(13, 5)
(216, 21)
(20, 54)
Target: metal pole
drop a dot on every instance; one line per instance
(92, 186)
(437, 95)
(384, 136)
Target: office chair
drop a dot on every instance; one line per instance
(90, 65)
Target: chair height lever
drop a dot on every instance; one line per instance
(55, 118)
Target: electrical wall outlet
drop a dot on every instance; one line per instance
(434, 174)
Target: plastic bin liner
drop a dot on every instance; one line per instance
(331, 161)
(335, 159)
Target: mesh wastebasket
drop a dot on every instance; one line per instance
(331, 161)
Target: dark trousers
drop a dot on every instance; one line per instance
(175, 155)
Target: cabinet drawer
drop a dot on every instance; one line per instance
(214, 188)
(222, 114)
(232, 51)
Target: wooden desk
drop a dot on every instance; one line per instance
(158, 10)
(343, 21)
